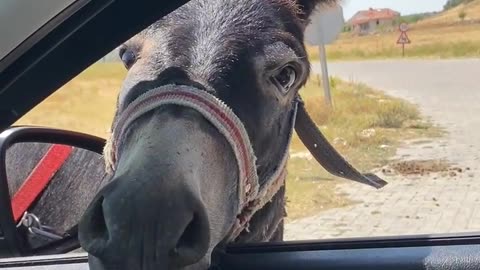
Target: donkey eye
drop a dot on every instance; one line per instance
(286, 78)
(128, 58)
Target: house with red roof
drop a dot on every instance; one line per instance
(371, 20)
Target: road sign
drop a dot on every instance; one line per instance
(325, 25)
(403, 39)
(403, 27)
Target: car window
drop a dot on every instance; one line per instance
(25, 22)
(403, 94)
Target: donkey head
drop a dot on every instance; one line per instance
(173, 196)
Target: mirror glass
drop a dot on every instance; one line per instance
(50, 186)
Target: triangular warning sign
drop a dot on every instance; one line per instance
(403, 39)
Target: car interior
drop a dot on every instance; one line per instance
(86, 30)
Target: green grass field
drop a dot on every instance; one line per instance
(362, 123)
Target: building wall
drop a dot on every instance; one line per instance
(374, 25)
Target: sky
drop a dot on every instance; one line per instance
(405, 7)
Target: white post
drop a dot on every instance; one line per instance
(325, 77)
(324, 27)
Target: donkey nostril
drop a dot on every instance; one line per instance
(93, 231)
(193, 243)
(188, 236)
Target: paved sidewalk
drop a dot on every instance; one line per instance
(406, 206)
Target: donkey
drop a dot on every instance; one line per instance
(178, 187)
(200, 138)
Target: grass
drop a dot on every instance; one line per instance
(441, 36)
(451, 16)
(87, 104)
(365, 126)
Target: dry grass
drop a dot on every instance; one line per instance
(365, 126)
(87, 104)
(442, 36)
(451, 16)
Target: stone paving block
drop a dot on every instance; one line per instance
(474, 223)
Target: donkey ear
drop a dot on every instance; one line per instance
(306, 7)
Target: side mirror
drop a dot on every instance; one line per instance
(47, 179)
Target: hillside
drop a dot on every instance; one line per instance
(451, 16)
(443, 35)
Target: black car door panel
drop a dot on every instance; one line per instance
(404, 258)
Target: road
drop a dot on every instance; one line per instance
(447, 92)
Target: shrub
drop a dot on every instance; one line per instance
(394, 114)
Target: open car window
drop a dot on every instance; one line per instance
(377, 129)
(75, 106)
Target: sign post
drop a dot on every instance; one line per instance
(325, 77)
(324, 27)
(403, 39)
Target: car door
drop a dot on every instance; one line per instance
(410, 253)
(100, 26)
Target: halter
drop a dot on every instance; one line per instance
(252, 196)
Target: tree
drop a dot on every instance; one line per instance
(453, 3)
(462, 14)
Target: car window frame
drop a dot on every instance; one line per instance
(24, 75)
